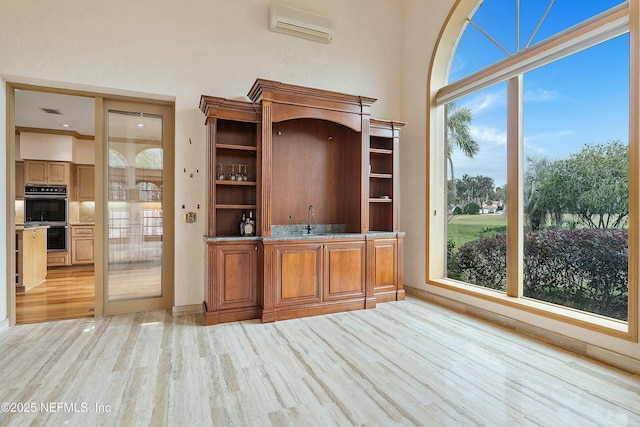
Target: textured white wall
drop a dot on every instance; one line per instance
(421, 25)
(178, 50)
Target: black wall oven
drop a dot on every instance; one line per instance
(47, 205)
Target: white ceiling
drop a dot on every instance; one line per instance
(77, 111)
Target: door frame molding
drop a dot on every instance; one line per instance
(165, 301)
(17, 83)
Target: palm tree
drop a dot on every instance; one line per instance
(458, 135)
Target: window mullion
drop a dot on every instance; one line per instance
(515, 173)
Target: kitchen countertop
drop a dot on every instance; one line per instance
(21, 227)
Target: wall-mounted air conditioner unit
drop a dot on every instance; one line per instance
(299, 23)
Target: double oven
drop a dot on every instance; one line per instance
(47, 204)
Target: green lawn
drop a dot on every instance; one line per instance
(464, 228)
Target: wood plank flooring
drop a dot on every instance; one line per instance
(67, 293)
(403, 363)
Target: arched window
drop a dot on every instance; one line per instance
(533, 125)
(151, 158)
(117, 160)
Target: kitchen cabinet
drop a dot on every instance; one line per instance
(232, 289)
(31, 257)
(19, 180)
(46, 172)
(82, 244)
(84, 182)
(58, 259)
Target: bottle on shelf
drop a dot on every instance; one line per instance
(243, 223)
(250, 225)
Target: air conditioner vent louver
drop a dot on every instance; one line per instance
(299, 23)
(51, 111)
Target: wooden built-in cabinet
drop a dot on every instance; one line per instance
(233, 148)
(46, 172)
(82, 244)
(232, 293)
(311, 155)
(384, 141)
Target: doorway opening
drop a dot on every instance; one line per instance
(97, 166)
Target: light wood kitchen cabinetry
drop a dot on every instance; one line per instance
(46, 172)
(19, 180)
(58, 259)
(82, 244)
(84, 182)
(232, 292)
(31, 257)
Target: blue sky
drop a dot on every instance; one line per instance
(578, 100)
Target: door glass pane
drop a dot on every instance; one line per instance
(135, 209)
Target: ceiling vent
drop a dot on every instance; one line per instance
(51, 111)
(298, 23)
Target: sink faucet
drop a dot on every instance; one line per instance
(309, 215)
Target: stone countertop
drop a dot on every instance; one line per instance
(312, 236)
(82, 224)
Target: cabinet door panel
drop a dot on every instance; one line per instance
(57, 173)
(83, 251)
(35, 172)
(85, 182)
(385, 263)
(237, 278)
(344, 269)
(299, 274)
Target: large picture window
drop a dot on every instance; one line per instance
(536, 143)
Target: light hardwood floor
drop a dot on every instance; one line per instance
(403, 363)
(67, 293)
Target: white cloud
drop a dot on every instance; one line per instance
(488, 135)
(486, 101)
(541, 95)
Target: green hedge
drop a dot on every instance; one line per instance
(584, 269)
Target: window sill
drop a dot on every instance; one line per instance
(594, 322)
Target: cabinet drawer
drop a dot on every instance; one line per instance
(81, 231)
(57, 259)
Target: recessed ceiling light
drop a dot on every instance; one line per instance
(140, 125)
(64, 125)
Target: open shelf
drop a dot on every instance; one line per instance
(236, 147)
(381, 175)
(236, 183)
(380, 151)
(241, 207)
